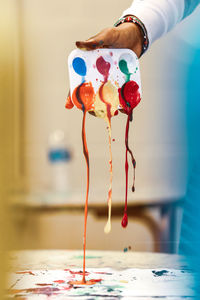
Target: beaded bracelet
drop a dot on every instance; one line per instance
(137, 21)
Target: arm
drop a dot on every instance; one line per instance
(158, 16)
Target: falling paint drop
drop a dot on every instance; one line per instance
(107, 227)
(124, 220)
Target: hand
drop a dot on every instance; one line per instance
(126, 35)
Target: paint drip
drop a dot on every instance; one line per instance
(129, 98)
(104, 67)
(83, 98)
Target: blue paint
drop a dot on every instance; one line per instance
(79, 66)
(160, 273)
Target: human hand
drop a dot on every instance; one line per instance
(126, 35)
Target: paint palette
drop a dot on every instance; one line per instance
(111, 72)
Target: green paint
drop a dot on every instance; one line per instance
(113, 288)
(87, 257)
(124, 69)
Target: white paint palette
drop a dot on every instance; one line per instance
(116, 66)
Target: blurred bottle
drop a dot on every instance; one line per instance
(59, 157)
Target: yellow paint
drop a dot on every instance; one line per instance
(110, 94)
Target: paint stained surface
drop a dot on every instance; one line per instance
(109, 284)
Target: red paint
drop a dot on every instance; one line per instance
(59, 281)
(116, 113)
(129, 118)
(124, 222)
(125, 217)
(103, 67)
(129, 96)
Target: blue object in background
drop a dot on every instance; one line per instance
(59, 155)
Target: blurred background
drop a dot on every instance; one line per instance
(46, 196)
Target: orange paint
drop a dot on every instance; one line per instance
(88, 282)
(69, 104)
(86, 154)
(83, 96)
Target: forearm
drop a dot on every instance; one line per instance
(160, 16)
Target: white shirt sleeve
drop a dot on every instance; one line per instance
(158, 16)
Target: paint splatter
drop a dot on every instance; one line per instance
(160, 273)
(126, 249)
(88, 282)
(59, 281)
(25, 272)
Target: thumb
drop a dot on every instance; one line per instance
(104, 39)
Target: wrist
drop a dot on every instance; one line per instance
(140, 32)
(133, 34)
